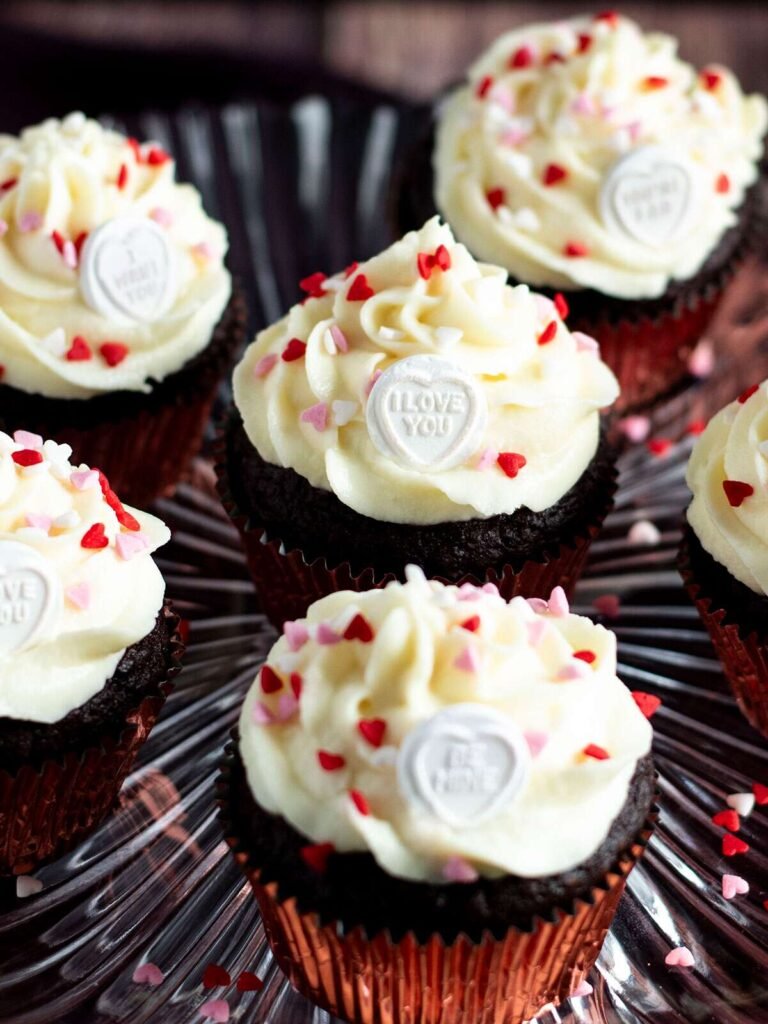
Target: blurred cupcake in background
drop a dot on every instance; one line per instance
(724, 554)
(88, 647)
(454, 787)
(117, 318)
(416, 408)
(585, 156)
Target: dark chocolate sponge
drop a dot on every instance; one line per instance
(356, 891)
(412, 203)
(139, 674)
(319, 525)
(743, 607)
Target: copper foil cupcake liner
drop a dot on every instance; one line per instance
(371, 979)
(744, 656)
(45, 811)
(143, 443)
(288, 582)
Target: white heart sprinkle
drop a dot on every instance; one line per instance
(446, 337)
(27, 885)
(742, 803)
(55, 342)
(343, 411)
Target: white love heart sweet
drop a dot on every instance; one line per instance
(127, 271)
(30, 596)
(426, 413)
(463, 765)
(649, 195)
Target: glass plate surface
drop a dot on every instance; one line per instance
(303, 189)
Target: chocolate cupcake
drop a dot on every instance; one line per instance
(585, 156)
(87, 647)
(417, 409)
(117, 319)
(428, 779)
(723, 557)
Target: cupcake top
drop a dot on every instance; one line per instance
(586, 154)
(448, 733)
(111, 274)
(728, 475)
(420, 388)
(77, 581)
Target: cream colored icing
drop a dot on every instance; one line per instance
(103, 600)
(542, 400)
(624, 91)
(58, 181)
(522, 669)
(734, 447)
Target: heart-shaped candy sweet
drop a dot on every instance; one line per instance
(30, 596)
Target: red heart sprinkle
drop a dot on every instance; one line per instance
(575, 249)
(80, 241)
(296, 683)
(349, 271)
(442, 258)
(761, 793)
(2, 372)
(359, 801)
(359, 629)
(585, 41)
(79, 350)
(522, 57)
(157, 157)
(736, 491)
(58, 240)
(696, 427)
(359, 290)
(122, 176)
(472, 623)
(127, 520)
(711, 79)
(726, 819)
(511, 463)
(483, 87)
(598, 753)
(135, 148)
(94, 537)
(215, 976)
(424, 264)
(313, 285)
(610, 17)
(648, 703)
(496, 197)
(561, 305)
(113, 352)
(27, 457)
(295, 349)
(270, 680)
(553, 173)
(733, 845)
(249, 982)
(722, 184)
(548, 333)
(555, 58)
(659, 445)
(372, 730)
(653, 82)
(316, 855)
(8, 184)
(747, 394)
(330, 762)
(588, 656)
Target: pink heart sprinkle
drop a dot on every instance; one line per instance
(701, 362)
(502, 97)
(148, 974)
(513, 136)
(545, 309)
(490, 588)
(216, 1010)
(27, 439)
(576, 669)
(558, 603)
(326, 636)
(634, 128)
(261, 715)
(38, 522)
(339, 338)
(456, 869)
(469, 592)
(79, 594)
(296, 633)
(679, 957)
(84, 479)
(643, 532)
(608, 605)
(536, 741)
(584, 343)
(583, 104)
(582, 990)
(734, 885)
(487, 459)
(373, 378)
(69, 254)
(203, 249)
(536, 631)
(162, 216)
(30, 221)
(287, 706)
(635, 428)
(317, 415)
(538, 604)
(468, 660)
(265, 365)
(130, 544)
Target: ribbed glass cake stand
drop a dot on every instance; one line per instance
(304, 189)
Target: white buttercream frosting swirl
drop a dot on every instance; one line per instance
(338, 719)
(304, 387)
(524, 148)
(60, 181)
(94, 597)
(730, 458)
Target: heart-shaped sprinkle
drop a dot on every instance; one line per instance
(523, 57)
(742, 803)
(317, 415)
(79, 594)
(456, 869)
(326, 635)
(359, 290)
(84, 479)
(269, 679)
(548, 334)
(536, 741)
(553, 174)
(296, 683)
(727, 819)
(27, 457)
(261, 714)
(287, 706)
(635, 428)
(316, 855)
(659, 446)
(732, 845)
(113, 352)
(148, 974)
(38, 521)
(94, 538)
(573, 670)
(249, 982)
(468, 660)
(679, 957)
(27, 439)
(496, 197)
(130, 544)
(595, 752)
(487, 459)
(737, 491)
(608, 605)
(30, 221)
(372, 730)
(648, 703)
(359, 629)
(561, 305)
(342, 411)
(587, 656)
(265, 365)
(734, 885)
(330, 762)
(575, 250)
(294, 350)
(761, 793)
(511, 463)
(79, 351)
(361, 804)
(216, 1010)
(558, 603)
(536, 631)
(296, 633)
(643, 532)
(312, 284)
(746, 395)
(27, 885)
(216, 976)
(701, 362)
(472, 624)
(339, 338)
(696, 427)
(722, 184)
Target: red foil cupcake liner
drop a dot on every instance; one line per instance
(288, 583)
(375, 980)
(45, 811)
(143, 443)
(744, 657)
